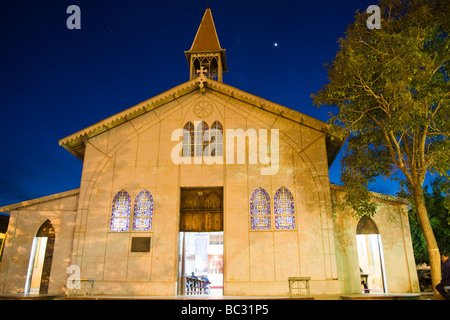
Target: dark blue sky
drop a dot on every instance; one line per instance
(55, 81)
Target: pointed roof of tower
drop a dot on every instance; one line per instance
(206, 39)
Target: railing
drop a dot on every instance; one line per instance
(197, 286)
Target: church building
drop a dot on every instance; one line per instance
(206, 180)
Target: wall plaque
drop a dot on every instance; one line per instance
(140, 244)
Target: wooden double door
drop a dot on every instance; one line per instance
(201, 209)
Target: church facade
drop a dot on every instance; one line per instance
(206, 179)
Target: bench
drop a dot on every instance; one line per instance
(299, 283)
(86, 286)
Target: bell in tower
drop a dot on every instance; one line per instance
(206, 51)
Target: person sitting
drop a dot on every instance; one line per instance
(445, 281)
(206, 287)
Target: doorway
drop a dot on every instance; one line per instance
(370, 256)
(200, 241)
(39, 266)
(201, 263)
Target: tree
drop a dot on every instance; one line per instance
(391, 86)
(435, 202)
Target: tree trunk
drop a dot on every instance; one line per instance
(433, 250)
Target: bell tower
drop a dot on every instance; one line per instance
(206, 51)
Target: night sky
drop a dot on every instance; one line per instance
(55, 81)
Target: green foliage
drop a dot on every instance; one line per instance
(393, 93)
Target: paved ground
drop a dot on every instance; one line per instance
(389, 296)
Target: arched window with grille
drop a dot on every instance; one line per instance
(188, 140)
(284, 209)
(260, 209)
(121, 207)
(143, 211)
(201, 129)
(217, 143)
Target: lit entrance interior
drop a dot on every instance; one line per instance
(201, 241)
(370, 255)
(201, 257)
(39, 266)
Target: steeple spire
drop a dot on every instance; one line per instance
(206, 51)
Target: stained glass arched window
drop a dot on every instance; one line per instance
(284, 209)
(188, 140)
(143, 211)
(260, 209)
(218, 143)
(121, 208)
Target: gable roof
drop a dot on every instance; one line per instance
(32, 202)
(75, 143)
(373, 194)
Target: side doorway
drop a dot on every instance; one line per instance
(39, 266)
(370, 256)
